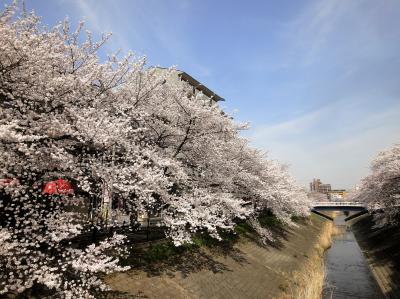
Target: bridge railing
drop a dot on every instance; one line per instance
(339, 204)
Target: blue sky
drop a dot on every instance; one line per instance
(319, 81)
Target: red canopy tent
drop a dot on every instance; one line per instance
(59, 186)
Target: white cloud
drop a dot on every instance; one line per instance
(341, 155)
(139, 24)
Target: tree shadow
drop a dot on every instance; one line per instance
(189, 262)
(120, 295)
(205, 254)
(169, 260)
(280, 234)
(383, 246)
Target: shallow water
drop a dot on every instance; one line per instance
(347, 272)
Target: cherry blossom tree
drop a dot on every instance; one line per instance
(116, 128)
(381, 188)
(60, 118)
(222, 172)
(317, 196)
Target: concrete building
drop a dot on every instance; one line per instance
(337, 194)
(197, 87)
(317, 186)
(324, 188)
(314, 185)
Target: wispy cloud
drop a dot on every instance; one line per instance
(102, 19)
(341, 156)
(145, 26)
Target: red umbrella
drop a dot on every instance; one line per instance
(59, 186)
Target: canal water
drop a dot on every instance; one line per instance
(347, 272)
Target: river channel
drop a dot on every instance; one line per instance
(347, 272)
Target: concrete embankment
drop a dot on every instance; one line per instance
(293, 268)
(381, 247)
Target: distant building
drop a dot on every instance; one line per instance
(325, 188)
(314, 185)
(317, 186)
(197, 86)
(338, 194)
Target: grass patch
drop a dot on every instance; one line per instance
(160, 252)
(299, 220)
(228, 238)
(243, 228)
(268, 220)
(166, 250)
(138, 257)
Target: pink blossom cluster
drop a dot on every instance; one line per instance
(381, 188)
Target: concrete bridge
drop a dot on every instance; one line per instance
(339, 206)
(349, 206)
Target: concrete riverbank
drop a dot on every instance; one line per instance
(293, 268)
(381, 247)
